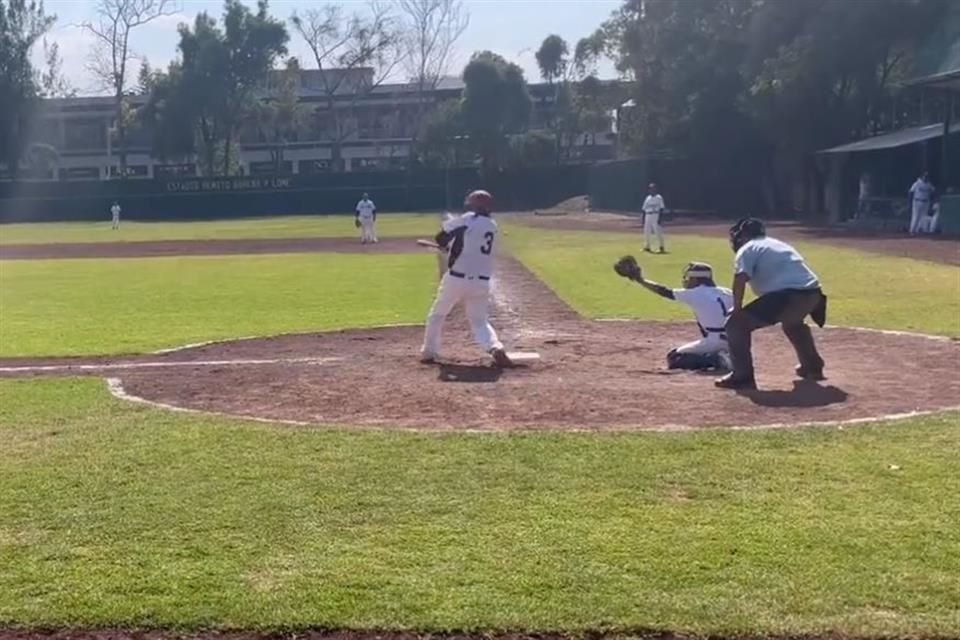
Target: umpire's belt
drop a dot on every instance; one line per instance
(457, 274)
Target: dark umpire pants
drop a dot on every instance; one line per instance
(789, 308)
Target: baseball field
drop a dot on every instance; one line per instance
(222, 428)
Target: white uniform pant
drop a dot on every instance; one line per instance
(708, 345)
(368, 230)
(919, 214)
(651, 227)
(928, 224)
(116, 221)
(475, 295)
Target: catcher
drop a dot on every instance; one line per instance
(710, 305)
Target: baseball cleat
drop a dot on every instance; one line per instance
(730, 381)
(501, 359)
(428, 358)
(809, 374)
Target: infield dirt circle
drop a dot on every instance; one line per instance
(593, 375)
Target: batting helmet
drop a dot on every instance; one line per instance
(745, 230)
(479, 201)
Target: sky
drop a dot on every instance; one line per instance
(512, 28)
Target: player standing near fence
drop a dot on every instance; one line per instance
(921, 197)
(115, 215)
(366, 219)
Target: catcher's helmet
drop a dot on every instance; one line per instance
(745, 230)
(479, 201)
(697, 271)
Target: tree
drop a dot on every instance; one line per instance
(277, 118)
(774, 80)
(531, 149)
(433, 28)
(354, 54)
(22, 24)
(170, 114)
(495, 104)
(221, 73)
(115, 23)
(552, 58)
(53, 84)
(440, 139)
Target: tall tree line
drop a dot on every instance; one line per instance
(763, 81)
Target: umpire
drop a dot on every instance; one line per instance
(787, 292)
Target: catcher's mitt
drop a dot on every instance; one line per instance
(628, 268)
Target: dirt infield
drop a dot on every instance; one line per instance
(941, 250)
(593, 375)
(160, 248)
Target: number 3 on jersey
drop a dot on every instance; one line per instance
(487, 247)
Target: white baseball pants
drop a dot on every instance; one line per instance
(928, 224)
(920, 208)
(475, 295)
(651, 227)
(116, 221)
(712, 343)
(368, 230)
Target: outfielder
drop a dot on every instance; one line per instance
(115, 215)
(653, 207)
(470, 240)
(710, 305)
(366, 220)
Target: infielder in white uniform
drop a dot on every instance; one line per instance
(921, 197)
(366, 219)
(653, 207)
(470, 240)
(710, 305)
(115, 214)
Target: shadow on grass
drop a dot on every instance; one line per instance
(805, 393)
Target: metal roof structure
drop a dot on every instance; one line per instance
(894, 139)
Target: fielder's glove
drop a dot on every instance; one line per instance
(628, 268)
(356, 223)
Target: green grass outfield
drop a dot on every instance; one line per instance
(85, 307)
(117, 515)
(865, 289)
(243, 228)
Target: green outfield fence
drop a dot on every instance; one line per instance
(208, 198)
(688, 184)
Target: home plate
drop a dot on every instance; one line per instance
(523, 357)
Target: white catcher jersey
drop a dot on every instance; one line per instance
(710, 305)
(365, 208)
(472, 247)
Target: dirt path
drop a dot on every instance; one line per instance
(940, 250)
(159, 248)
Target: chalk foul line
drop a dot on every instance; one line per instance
(112, 366)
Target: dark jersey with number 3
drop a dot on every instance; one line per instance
(473, 239)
